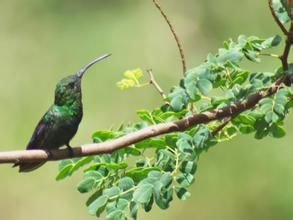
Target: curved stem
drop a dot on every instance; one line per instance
(174, 34)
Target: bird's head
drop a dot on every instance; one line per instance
(68, 90)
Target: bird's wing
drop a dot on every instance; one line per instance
(44, 126)
(40, 137)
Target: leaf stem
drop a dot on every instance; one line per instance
(176, 163)
(270, 55)
(123, 193)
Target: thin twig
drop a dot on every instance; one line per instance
(152, 131)
(221, 126)
(155, 84)
(289, 41)
(284, 30)
(284, 57)
(270, 55)
(174, 34)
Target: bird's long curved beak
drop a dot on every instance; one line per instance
(81, 72)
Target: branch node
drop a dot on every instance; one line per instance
(155, 84)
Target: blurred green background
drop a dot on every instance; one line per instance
(43, 41)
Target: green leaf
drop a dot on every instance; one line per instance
(115, 215)
(252, 56)
(185, 146)
(271, 117)
(201, 137)
(98, 206)
(122, 204)
(132, 151)
(113, 191)
(185, 179)
(240, 77)
(272, 42)
(93, 174)
(204, 86)
(103, 135)
(277, 131)
(145, 116)
(231, 55)
(160, 183)
(178, 99)
(261, 127)
(154, 175)
(182, 193)
(81, 162)
(246, 129)
(165, 159)
(143, 193)
(151, 143)
(111, 207)
(171, 140)
(267, 106)
(166, 179)
(112, 166)
(280, 109)
(90, 181)
(188, 167)
(125, 183)
(177, 103)
(93, 197)
(64, 172)
(290, 104)
(245, 119)
(230, 130)
(86, 185)
(215, 100)
(164, 116)
(286, 5)
(164, 198)
(133, 210)
(139, 173)
(281, 11)
(148, 206)
(190, 81)
(64, 163)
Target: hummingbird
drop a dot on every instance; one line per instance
(60, 123)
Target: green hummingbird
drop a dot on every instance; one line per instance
(60, 123)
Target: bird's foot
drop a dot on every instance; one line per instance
(70, 150)
(50, 154)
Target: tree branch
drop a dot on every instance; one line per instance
(152, 131)
(227, 113)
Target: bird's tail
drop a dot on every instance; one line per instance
(27, 167)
